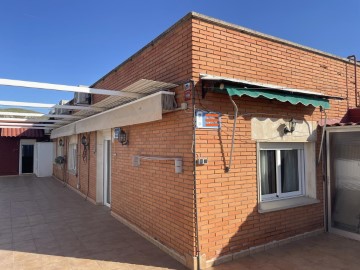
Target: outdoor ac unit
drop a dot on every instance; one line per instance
(61, 111)
(82, 99)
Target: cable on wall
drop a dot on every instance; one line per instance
(196, 214)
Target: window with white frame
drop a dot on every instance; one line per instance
(72, 157)
(281, 170)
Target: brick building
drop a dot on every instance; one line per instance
(254, 169)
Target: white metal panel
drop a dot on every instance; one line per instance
(30, 120)
(63, 131)
(28, 124)
(142, 86)
(144, 110)
(67, 88)
(46, 105)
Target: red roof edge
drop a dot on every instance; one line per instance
(22, 132)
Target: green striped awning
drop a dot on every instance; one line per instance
(282, 96)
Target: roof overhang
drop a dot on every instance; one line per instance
(144, 110)
(21, 132)
(283, 94)
(66, 124)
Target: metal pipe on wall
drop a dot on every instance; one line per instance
(197, 239)
(227, 169)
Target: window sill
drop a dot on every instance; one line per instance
(265, 207)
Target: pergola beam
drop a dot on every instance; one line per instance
(24, 127)
(48, 106)
(64, 116)
(32, 120)
(28, 125)
(67, 88)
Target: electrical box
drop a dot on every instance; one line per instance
(178, 166)
(202, 161)
(208, 120)
(136, 161)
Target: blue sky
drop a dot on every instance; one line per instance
(78, 41)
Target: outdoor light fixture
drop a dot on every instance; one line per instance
(123, 139)
(291, 127)
(61, 142)
(84, 141)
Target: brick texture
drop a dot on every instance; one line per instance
(229, 218)
(160, 202)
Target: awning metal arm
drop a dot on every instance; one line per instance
(227, 169)
(322, 136)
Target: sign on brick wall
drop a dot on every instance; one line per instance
(209, 120)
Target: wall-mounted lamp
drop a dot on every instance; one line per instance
(123, 138)
(291, 127)
(61, 142)
(84, 141)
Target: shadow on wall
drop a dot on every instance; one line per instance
(261, 231)
(43, 224)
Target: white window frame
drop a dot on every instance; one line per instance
(72, 154)
(301, 168)
(72, 157)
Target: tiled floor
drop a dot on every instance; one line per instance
(322, 252)
(46, 226)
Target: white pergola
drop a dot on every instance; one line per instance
(138, 91)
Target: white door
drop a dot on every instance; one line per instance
(107, 172)
(43, 159)
(27, 156)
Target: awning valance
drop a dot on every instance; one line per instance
(254, 89)
(281, 96)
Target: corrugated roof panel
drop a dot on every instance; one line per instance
(21, 132)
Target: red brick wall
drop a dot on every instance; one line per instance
(152, 196)
(229, 218)
(9, 157)
(165, 60)
(87, 185)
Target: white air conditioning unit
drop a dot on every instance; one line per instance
(61, 110)
(82, 99)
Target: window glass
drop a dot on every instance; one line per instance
(281, 169)
(268, 171)
(72, 158)
(289, 170)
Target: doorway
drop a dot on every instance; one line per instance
(107, 173)
(344, 182)
(26, 159)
